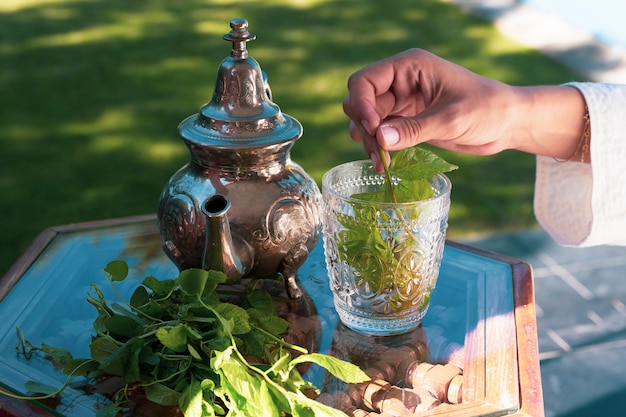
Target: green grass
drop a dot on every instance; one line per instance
(91, 93)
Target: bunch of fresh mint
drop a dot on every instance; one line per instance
(182, 346)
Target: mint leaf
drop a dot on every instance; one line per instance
(192, 281)
(103, 347)
(160, 288)
(162, 395)
(380, 196)
(56, 354)
(272, 323)
(214, 278)
(306, 407)
(239, 317)
(261, 300)
(254, 343)
(80, 367)
(191, 401)
(240, 387)
(124, 361)
(417, 163)
(408, 191)
(117, 270)
(122, 326)
(345, 371)
(174, 338)
(140, 297)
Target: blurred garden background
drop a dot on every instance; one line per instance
(91, 94)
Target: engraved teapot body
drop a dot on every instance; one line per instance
(240, 205)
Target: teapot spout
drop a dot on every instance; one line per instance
(221, 253)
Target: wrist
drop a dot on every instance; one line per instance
(550, 121)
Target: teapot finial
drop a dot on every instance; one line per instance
(241, 113)
(239, 36)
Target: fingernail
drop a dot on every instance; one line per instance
(375, 159)
(390, 135)
(367, 126)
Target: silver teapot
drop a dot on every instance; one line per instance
(241, 205)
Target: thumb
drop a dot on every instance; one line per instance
(404, 132)
(400, 133)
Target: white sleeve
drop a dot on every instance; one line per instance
(585, 204)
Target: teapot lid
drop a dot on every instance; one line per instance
(241, 113)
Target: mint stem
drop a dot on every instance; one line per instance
(387, 175)
(281, 341)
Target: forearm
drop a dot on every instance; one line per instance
(550, 121)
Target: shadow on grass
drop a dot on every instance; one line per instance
(92, 93)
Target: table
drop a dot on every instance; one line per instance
(482, 316)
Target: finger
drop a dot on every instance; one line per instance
(363, 101)
(370, 144)
(360, 135)
(356, 132)
(376, 162)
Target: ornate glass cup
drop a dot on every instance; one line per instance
(383, 259)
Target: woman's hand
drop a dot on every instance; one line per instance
(416, 97)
